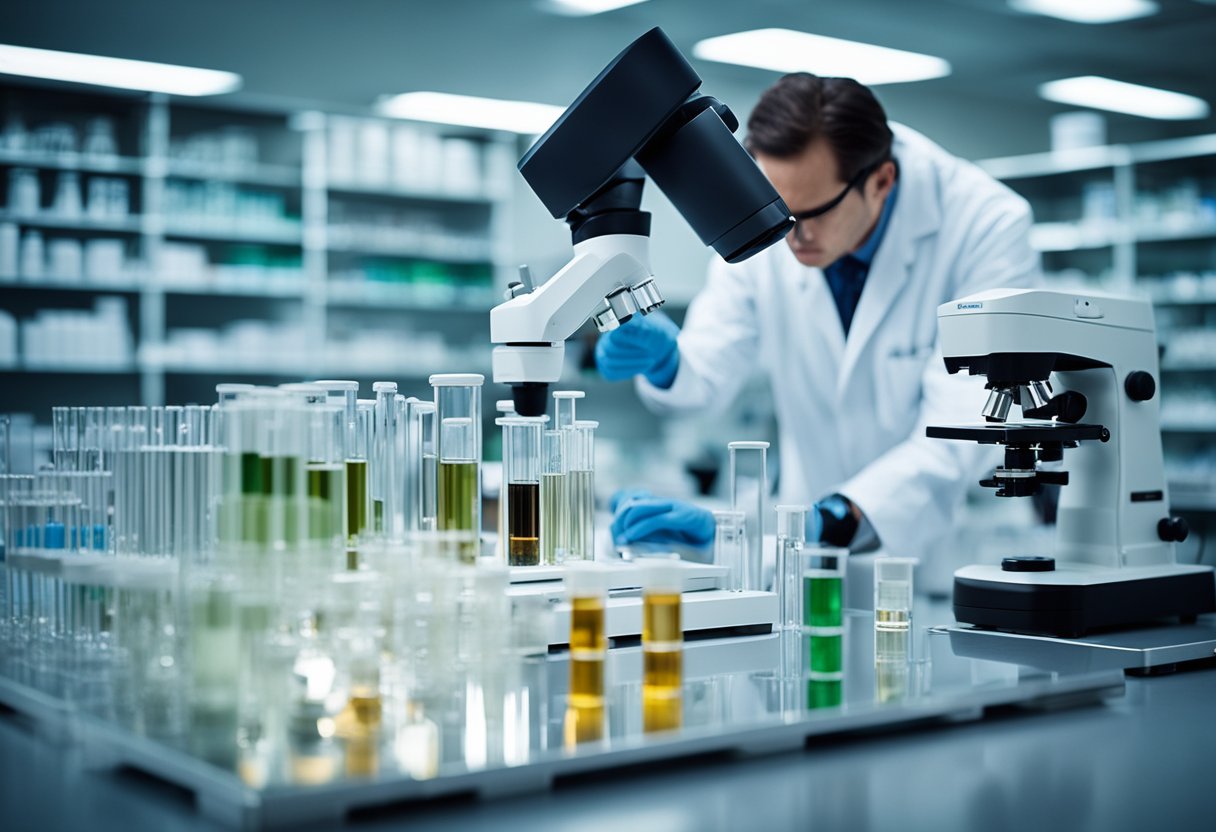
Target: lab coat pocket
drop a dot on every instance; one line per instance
(899, 394)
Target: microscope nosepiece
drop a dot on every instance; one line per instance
(996, 409)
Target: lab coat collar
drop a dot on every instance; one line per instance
(917, 214)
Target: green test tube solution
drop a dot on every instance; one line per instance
(822, 614)
(458, 419)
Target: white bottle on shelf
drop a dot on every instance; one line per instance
(10, 243)
(68, 202)
(65, 260)
(8, 340)
(33, 259)
(24, 193)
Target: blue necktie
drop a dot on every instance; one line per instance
(846, 277)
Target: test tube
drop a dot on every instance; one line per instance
(564, 403)
(504, 407)
(358, 497)
(822, 571)
(748, 494)
(580, 490)
(791, 535)
(892, 626)
(428, 495)
(662, 644)
(521, 454)
(587, 591)
(384, 459)
(326, 473)
(730, 544)
(553, 491)
(458, 417)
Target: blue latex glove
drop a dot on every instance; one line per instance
(645, 345)
(643, 518)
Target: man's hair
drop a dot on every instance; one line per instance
(801, 108)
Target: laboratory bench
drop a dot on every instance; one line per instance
(1128, 753)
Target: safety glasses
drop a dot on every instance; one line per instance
(855, 182)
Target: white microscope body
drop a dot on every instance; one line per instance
(1114, 561)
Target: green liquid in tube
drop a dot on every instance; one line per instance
(325, 493)
(458, 495)
(823, 694)
(821, 601)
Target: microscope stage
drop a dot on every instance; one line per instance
(1075, 599)
(1025, 433)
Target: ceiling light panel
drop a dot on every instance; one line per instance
(784, 50)
(1087, 11)
(526, 117)
(115, 72)
(1120, 97)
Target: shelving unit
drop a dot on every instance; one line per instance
(1141, 219)
(288, 263)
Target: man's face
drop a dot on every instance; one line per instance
(810, 180)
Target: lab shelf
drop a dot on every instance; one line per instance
(220, 289)
(1203, 298)
(44, 285)
(127, 225)
(373, 296)
(291, 154)
(226, 233)
(348, 243)
(411, 194)
(75, 369)
(123, 165)
(271, 176)
(1188, 427)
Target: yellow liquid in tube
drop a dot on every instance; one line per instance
(588, 646)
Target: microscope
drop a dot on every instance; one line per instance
(1082, 368)
(640, 117)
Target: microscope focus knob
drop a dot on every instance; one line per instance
(1140, 386)
(1173, 529)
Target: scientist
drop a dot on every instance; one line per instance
(842, 320)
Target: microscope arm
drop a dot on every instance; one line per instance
(531, 328)
(555, 310)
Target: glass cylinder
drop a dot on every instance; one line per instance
(504, 407)
(749, 494)
(553, 489)
(791, 535)
(580, 490)
(428, 438)
(326, 476)
(564, 403)
(521, 457)
(384, 459)
(729, 547)
(892, 626)
(358, 481)
(458, 418)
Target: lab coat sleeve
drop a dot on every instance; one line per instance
(910, 494)
(719, 346)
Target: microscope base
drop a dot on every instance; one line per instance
(1076, 599)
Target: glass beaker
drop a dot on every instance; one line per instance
(458, 418)
(521, 455)
(729, 546)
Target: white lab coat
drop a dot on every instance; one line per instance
(852, 412)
